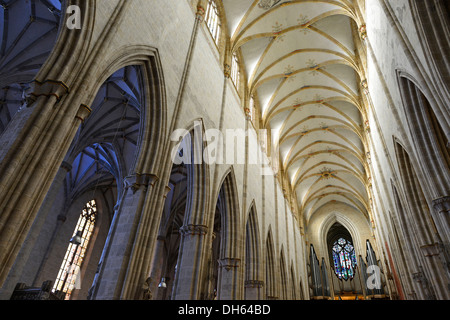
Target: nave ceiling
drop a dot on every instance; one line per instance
(302, 67)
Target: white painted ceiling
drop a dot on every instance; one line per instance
(302, 66)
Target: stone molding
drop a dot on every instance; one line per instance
(192, 229)
(254, 284)
(229, 263)
(441, 204)
(47, 88)
(138, 180)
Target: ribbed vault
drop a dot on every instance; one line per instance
(301, 64)
(28, 31)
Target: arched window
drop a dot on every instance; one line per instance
(212, 20)
(68, 278)
(344, 259)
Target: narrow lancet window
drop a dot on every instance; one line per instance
(212, 20)
(69, 273)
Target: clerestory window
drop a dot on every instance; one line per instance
(212, 20)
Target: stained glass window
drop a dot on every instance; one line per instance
(68, 276)
(344, 259)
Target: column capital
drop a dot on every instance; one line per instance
(139, 180)
(167, 189)
(66, 166)
(254, 284)
(430, 250)
(192, 229)
(441, 204)
(229, 263)
(227, 70)
(200, 14)
(83, 112)
(47, 88)
(363, 32)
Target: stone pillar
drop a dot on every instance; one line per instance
(228, 278)
(25, 179)
(115, 266)
(157, 265)
(428, 293)
(254, 290)
(35, 231)
(437, 258)
(188, 280)
(441, 212)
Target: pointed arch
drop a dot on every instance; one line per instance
(414, 194)
(252, 255)
(253, 243)
(283, 276)
(230, 221)
(293, 281)
(189, 285)
(153, 114)
(270, 282)
(423, 226)
(429, 133)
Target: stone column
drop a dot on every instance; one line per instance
(35, 231)
(188, 280)
(427, 290)
(441, 209)
(24, 182)
(157, 265)
(31, 154)
(228, 278)
(254, 290)
(115, 266)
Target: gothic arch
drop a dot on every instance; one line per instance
(194, 227)
(284, 282)
(346, 222)
(293, 282)
(230, 237)
(432, 24)
(414, 194)
(104, 150)
(153, 117)
(422, 225)
(270, 280)
(405, 241)
(253, 263)
(230, 217)
(429, 133)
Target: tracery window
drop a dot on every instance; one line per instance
(344, 259)
(212, 20)
(235, 73)
(68, 276)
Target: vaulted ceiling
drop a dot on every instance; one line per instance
(28, 31)
(302, 66)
